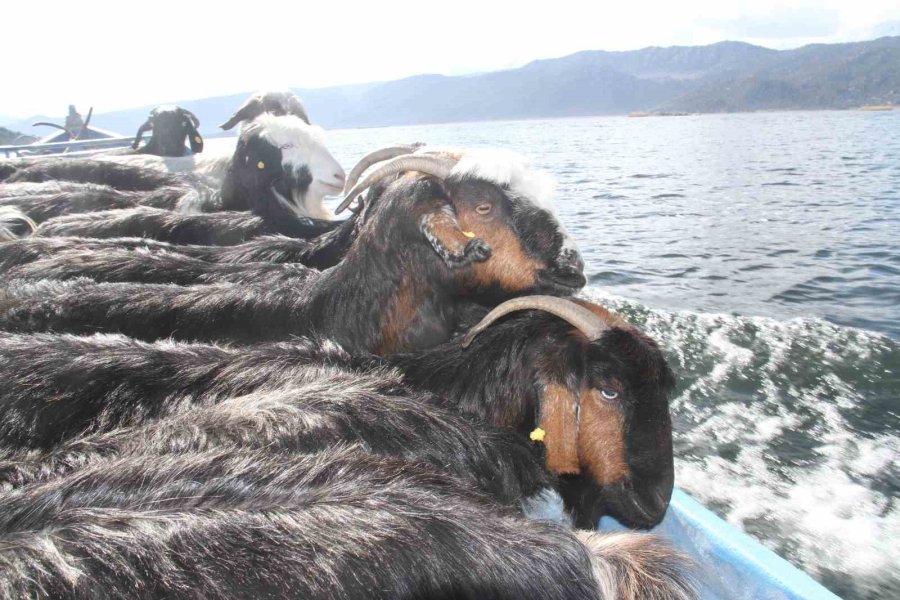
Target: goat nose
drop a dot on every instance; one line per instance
(578, 263)
(573, 274)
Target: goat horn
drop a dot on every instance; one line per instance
(581, 318)
(430, 165)
(377, 156)
(46, 124)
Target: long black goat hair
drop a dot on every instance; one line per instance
(51, 199)
(338, 524)
(120, 177)
(161, 266)
(322, 407)
(320, 252)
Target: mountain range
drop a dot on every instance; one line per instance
(722, 77)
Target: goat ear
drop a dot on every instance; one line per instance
(295, 107)
(248, 111)
(194, 137)
(147, 126)
(456, 247)
(191, 116)
(559, 422)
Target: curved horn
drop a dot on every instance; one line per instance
(147, 126)
(45, 123)
(190, 116)
(377, 156)
(249, 110)
(295, 107)
(581, 318)
(430, 165)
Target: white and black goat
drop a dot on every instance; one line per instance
(594, 387)
(170, 126)
(102, 260)
(280, 170)
(275, 103)
(337, 524)
(446, 230)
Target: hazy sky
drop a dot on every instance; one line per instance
(125, 53)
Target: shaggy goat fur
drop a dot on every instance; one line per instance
(145, 266)
(43, 201)
(225, 228)
(121, 177)
(14, 224)
(322, 408)
(338, 524)
(320, 252)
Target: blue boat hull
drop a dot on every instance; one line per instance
(730, 565)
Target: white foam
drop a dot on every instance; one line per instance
(753, 386)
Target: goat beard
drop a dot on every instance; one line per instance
(291, 198)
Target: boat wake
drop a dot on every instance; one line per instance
(789, 431)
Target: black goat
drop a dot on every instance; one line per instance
(170, 126)
(275, 103)
(323, 408)
(614, 451)
(426, 243)
(338, 524)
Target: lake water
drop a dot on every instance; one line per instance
(763, 252)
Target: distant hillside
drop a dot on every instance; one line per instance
(728, 76)
(812, 77)
(8, 136)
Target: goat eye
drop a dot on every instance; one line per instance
(286, 146)
(483, 209)
(609, 394)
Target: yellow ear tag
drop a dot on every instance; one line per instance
(260, 165)
(198, 139)
(537, 435)
(469, 234)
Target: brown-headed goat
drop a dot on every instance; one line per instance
(446, 229)
(593, 386)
